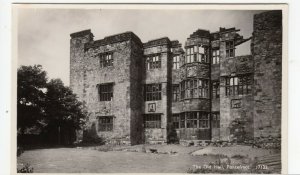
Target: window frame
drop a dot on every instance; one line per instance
(105, 123)
(106, 59)
(152, 92)
(229, 48)
(238, 85)
(153, 61)
(194, 88)
(176, 62)
(193, 54)
(152, 121)
(215, 56)
(194, 120)
(215, 89)
(215, 118)
(105, 91)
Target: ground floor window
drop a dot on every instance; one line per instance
(176, 120)
(215, 119)
(152, 120)
(105, 123)
(193, 119)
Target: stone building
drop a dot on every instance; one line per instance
(148, 92)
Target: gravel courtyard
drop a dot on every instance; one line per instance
(130, 159)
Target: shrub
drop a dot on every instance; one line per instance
(25, 169)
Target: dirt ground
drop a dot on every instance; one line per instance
(91, 160)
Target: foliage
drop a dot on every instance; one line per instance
(25, 169)
(30, 96)
(50, 108)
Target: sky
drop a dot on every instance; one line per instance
(44, 34)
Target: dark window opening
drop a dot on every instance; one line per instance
(105, 123)
(238, 85)
(230, 49)
(176, 60)
(105, 92)
(215, 56)
(175, 92)
(152, 92)
(194, 119)
(176, 121)
(106, 59)
(216, 89)
(197, 54)
(152, 120)
(194, 88)
(153, 62)
(215, 120)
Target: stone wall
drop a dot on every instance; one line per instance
(267, 54)
(164, 77)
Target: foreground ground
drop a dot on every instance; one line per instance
(135, 159)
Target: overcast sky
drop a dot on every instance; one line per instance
(44, 34)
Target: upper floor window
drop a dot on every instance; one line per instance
(152, 92)
(106, 59)
(194, 88)
(176, 60)
(196, 54)
(153, 61)
(175, 92)
(105, 92)
(238, 85)
(105, 123)
(152, 121)
(216, 89)
(215, 57)
(230, 48)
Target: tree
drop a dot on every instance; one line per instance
(48, 107)
(32, 82)
(64, 113)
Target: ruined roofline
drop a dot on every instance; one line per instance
(114, 39)
(81, 33)
(157, 42)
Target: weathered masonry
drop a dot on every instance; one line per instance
(157, 91)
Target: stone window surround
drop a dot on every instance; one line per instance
(106, 59)
(194, 54)
(238, 84)
(230, 48)
(215, 89)
(175, 92)
(215, 118)
(200, 87)
(152, 120)
(176, 61)
(215, 56)
(105, 91)
(152, 92)
(193, 119)
(105, 123)
(153, 61)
